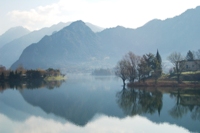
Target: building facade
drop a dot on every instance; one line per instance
(193, 65)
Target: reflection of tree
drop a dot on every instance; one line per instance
(178, 110)
(127, 100)
(196, 113)
(186, 100)
(134, 101)
(30, 84)
(151, 101)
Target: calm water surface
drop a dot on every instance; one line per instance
(88, 104)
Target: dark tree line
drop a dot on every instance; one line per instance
(22, 74)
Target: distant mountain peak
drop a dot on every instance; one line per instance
(16, 29)
(12, 34)
(77, 23)
(78, 26)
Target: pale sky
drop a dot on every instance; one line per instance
(36, 14)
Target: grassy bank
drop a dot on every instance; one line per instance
(188, 79)
(55, 78)
(164, 84)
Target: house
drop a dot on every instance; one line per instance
(190, 65)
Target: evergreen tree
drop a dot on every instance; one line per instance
(158, 57)
(157, 66)
(190, 56)
(11, 75)
(2, 76)
(149, 60)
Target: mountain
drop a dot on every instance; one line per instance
(73, 44)
(11, 52)
(94, 28)
(181, 34)
(11, 34)
(76, 44)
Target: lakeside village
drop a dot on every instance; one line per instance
(140, 71)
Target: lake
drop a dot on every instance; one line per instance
(87, 104)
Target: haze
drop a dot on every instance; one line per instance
(105, 13)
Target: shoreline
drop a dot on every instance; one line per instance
(172, 84)
(55, 78)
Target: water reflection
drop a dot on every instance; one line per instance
(149, 101)
(85, 104)
(77, 100)
(187, 100)
(32, 84)
(101, 125)
(139, 101)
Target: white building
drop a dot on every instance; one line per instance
(193, 65)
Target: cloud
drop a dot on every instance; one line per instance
(105, 13)
(99, 124)
(38, 17)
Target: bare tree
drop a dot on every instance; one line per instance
(197, 54)
(134, 61)
(123, 70)
(177, 60)
(143, 69)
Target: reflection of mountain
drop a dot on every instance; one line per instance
(77, 103)
(17, 109)
(80, 98)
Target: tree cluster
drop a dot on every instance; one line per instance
(193, 55)
(133, 67)
(22, 74)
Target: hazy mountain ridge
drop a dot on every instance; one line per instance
(180, 34)
(12, 34)
(168, 35)
(61, 48)
(11, 51)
